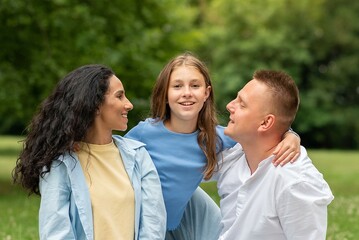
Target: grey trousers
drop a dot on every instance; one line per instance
(201, 219)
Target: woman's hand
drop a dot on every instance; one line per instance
(288, 150)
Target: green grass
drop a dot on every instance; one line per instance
(19, 213)
(18, 217)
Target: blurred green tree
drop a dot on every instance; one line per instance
(315, 41)
(43, 40)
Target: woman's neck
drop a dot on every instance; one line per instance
(94, 136)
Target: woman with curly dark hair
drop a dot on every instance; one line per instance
(109, 188)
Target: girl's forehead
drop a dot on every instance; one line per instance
(191, 66)
(186, 69)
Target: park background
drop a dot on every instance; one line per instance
(316, 42)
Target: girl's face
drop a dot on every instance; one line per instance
(112, 114)
(187, 93)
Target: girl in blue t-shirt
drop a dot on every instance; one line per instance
(183, 139)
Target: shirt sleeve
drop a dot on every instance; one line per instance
(227, 142)
(54, 218)
(302, 210)
(153, 213)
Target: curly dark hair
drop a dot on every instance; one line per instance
(62, 119)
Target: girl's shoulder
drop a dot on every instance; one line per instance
(127, 143)
(147, 123)
(227, 142)
(144, 129)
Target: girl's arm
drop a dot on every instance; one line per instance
(288, 150)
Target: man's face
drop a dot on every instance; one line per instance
(247, 111)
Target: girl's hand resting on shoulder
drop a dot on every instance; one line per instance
(288, 150)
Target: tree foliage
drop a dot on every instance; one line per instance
(315, 41)
(44, 40)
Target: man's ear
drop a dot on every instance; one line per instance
(267, 123)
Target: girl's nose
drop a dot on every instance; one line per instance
(187, 91)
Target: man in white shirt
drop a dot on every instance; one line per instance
(259, 200)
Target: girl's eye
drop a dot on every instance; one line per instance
(177, 86)
(196, 86)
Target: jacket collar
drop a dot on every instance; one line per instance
(127, 148)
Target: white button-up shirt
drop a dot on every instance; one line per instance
(273, 203)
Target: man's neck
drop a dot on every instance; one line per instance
(257, 152)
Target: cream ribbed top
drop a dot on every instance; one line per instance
(112, 195)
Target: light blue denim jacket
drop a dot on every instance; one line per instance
(65, 208)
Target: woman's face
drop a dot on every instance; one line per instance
(187, 93)
(112, 114)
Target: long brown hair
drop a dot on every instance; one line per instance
(207, 119)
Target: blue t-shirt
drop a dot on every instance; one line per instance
(179, 160)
